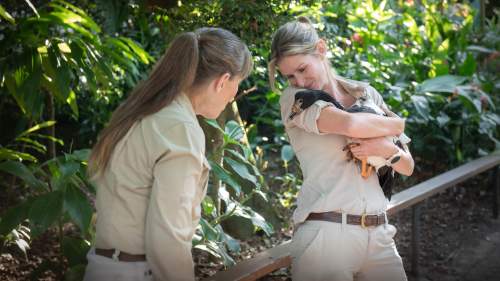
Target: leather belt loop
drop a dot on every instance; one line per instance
(344, 221)
(386, 220)
(116, 255)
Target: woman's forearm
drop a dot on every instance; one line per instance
(368, 125)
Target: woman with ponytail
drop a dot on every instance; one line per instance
(341, 227)
(149, 162)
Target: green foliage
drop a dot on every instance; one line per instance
(424, 60)
(238, 172)
(74, 64)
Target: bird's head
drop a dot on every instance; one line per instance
(296, 107)
(303, 100)
(307, 97)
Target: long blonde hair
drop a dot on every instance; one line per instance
(192, 59)
(293, 38)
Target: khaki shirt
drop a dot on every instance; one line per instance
(331, 183)
(148, 200)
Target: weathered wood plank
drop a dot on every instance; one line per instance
(426, 189)
(257, 267)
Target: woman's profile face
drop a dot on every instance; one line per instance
(304, 71)
(225, 95)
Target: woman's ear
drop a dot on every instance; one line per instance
(220, 81)
(321, 47)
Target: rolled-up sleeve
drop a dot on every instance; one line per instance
(307, 119)
(169, 223)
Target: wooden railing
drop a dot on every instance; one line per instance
(279, 256)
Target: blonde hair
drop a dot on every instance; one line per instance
(192, 59)
(293, 38)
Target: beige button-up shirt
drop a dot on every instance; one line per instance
(148, 200)
(331, 183)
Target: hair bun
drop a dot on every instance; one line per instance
(304, 19)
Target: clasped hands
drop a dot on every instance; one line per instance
(361, 149)
(380, 146)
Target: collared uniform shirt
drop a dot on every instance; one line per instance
(331, 182)
(148, 199)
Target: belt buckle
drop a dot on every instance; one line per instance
(363, 217)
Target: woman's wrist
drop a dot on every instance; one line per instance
(390, 151)
(401, 125)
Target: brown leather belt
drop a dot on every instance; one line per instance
(363, 220)
(121, 257)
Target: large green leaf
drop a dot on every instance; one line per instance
(63, 173)
(45, 210)
(59, 73)
(76, 13)
(473, 104)
(9, 154)
(217, 249)
(71, 100)
(75, 250)
(4, 14)
(18, 169)
(81, 155)
(14, 216)
(256, 218)
(213, 123)
(422, 107)
(48, 137)
(38, 127)
(468, 68)
(23, 83)
(234, 130)
(225, 176)
(244, 158)
(78, 207)
(30, 143)
(445, 83)
(232, 244)
(208, 232)
(241, 170)
(138, 51)
(120, 48)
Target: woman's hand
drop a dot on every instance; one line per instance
(385, 148)
(380, 146)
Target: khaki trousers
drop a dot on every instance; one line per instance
(328, 251)
(100, 268)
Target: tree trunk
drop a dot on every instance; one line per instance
(52, 129)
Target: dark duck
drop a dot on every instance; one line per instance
(386, 175)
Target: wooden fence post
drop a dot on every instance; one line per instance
(415, 238)
(495, 185)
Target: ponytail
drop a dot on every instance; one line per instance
(173, 73)
(191, 59)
